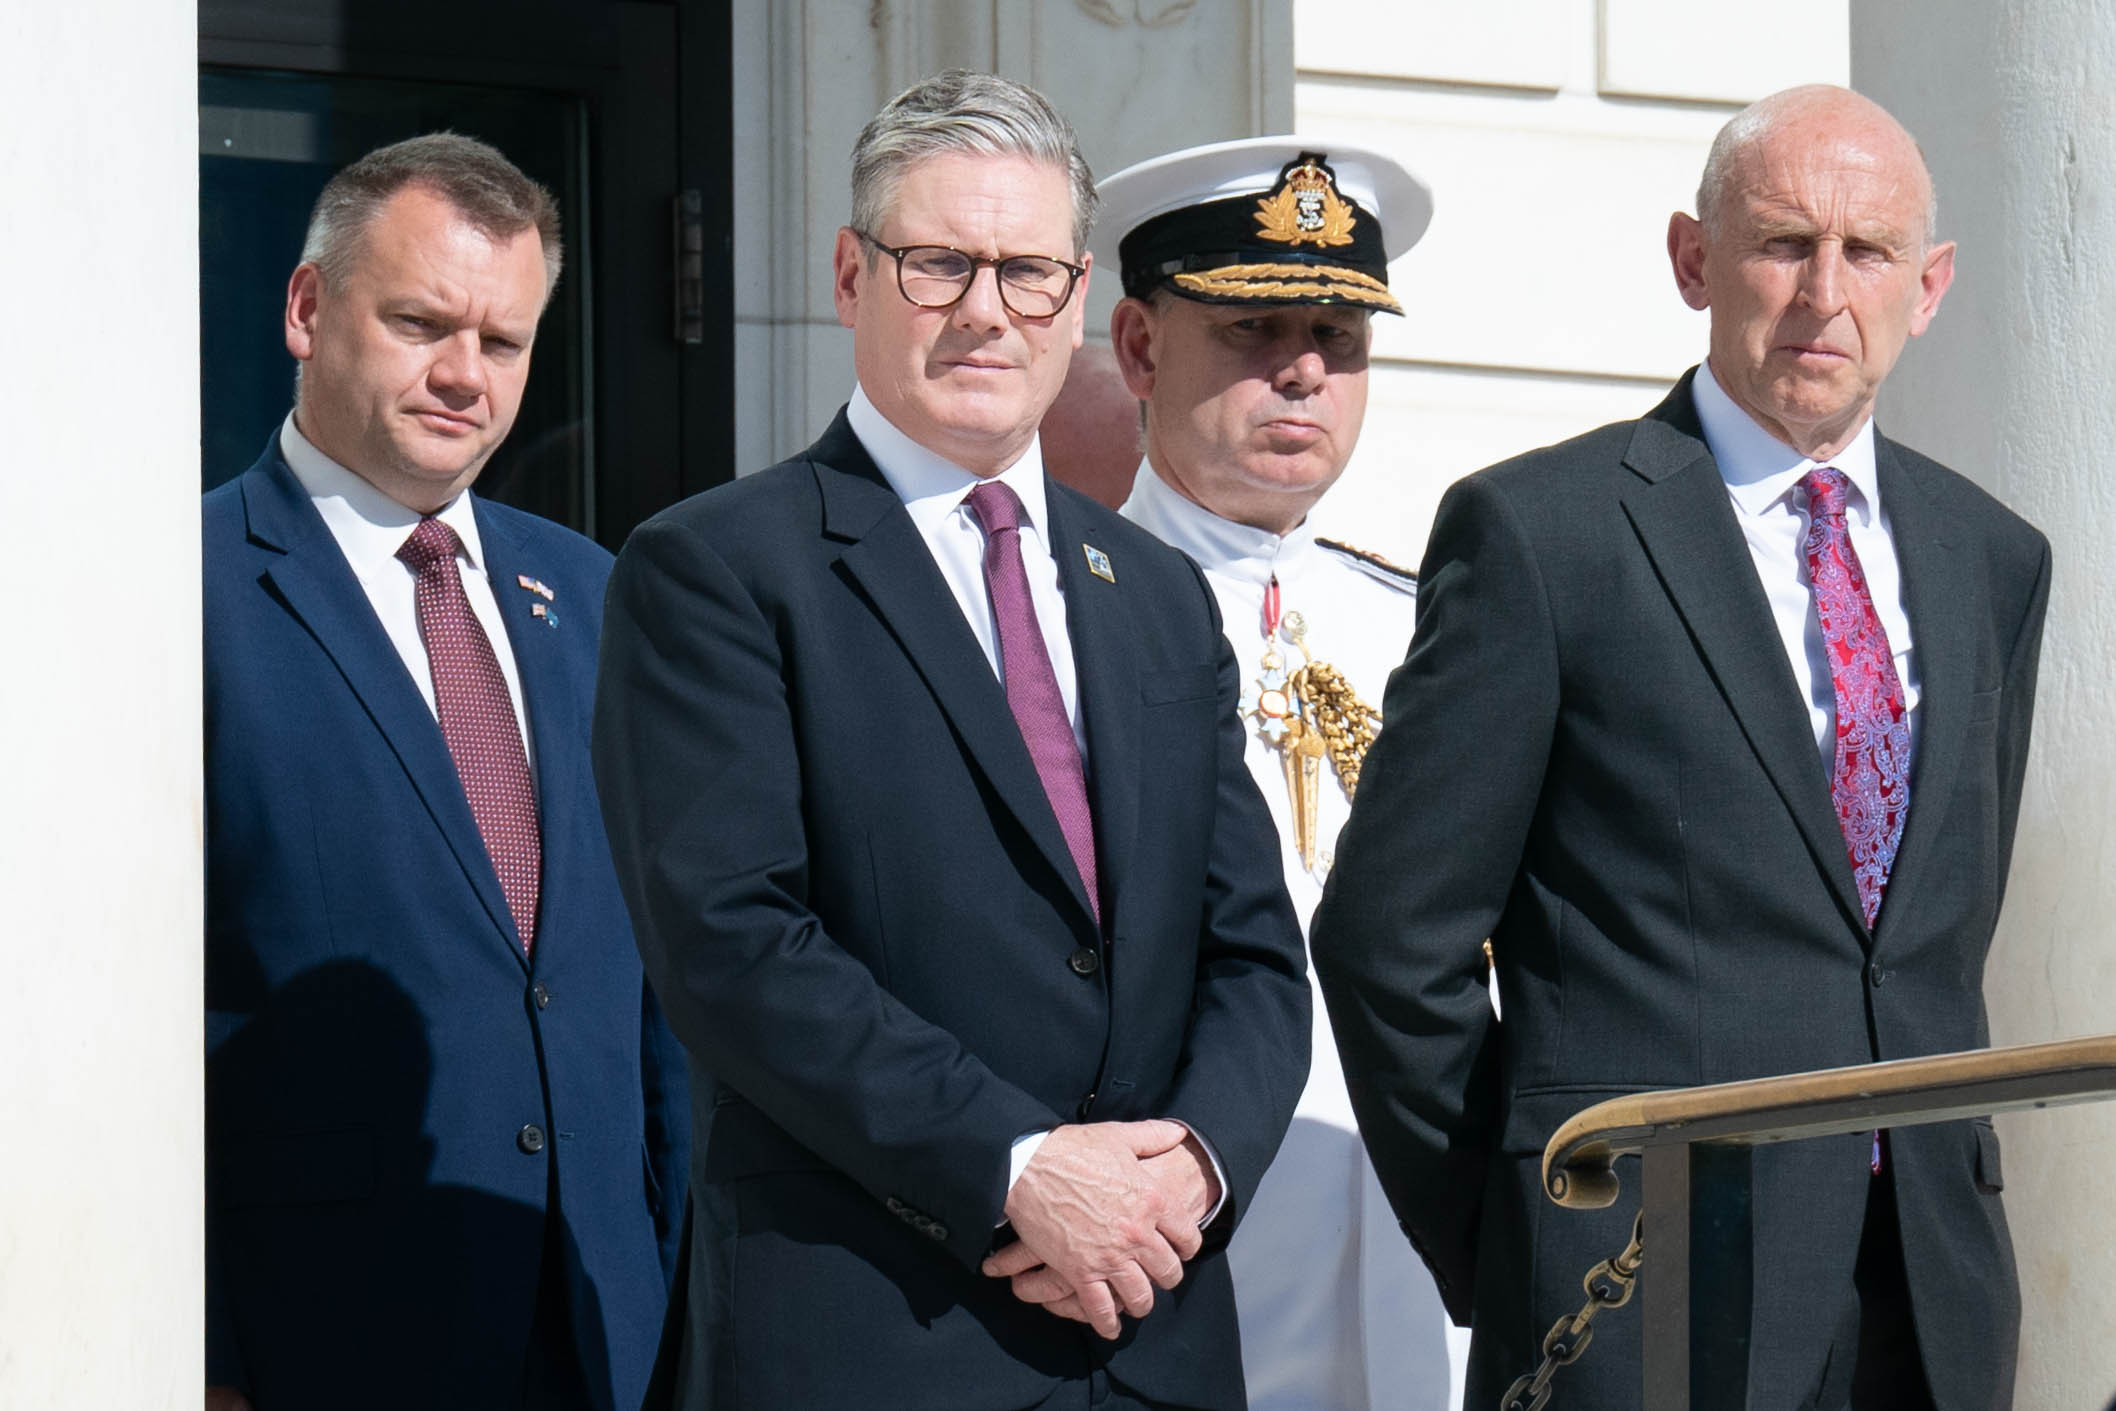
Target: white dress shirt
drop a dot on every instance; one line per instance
(1357, 617)
(1337, 1312)
(370, 527)
(934, 490)
(1763, 477)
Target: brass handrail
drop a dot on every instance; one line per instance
(1579, 1159)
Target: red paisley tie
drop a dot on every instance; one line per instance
(1870, 783)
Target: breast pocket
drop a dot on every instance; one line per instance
(1179, 685)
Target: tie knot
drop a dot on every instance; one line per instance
(431, 543)
(1825, 492)
(996, 506)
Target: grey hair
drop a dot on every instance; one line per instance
(486, 189)
(1749, 126)
(960, 111)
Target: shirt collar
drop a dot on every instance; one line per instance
(933, 487)
(1219, 545)
(1760, 470)
(368, 525)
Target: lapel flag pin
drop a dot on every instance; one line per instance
(539, 610)
(536, 586)
(1098, 563)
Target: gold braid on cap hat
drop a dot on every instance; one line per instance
(1289, 281)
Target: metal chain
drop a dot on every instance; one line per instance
(1346, 723)
(1608, 1285)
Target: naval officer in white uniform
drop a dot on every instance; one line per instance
(1251, 270)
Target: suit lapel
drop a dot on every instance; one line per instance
(1683, 518)
(1933, 596)
(555, 723)
(317, 585)
(887, 558)
(1109, 694)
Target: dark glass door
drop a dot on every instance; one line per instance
(618, 106)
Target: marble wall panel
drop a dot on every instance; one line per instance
(1509, 43)
(1681, 50)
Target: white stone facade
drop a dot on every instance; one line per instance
(102, 1272)
(2013, 388)
(1557, 136)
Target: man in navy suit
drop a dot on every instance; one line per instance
(446, 1126)
(926, 785)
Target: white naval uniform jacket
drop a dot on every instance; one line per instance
(1337, 1312)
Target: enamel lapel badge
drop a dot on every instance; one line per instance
(1098, 563)
(541, 609)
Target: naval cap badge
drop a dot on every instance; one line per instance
(1304, 208)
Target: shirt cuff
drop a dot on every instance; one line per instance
(1219, 1172)
(1025, 1147)
(1018, 1158)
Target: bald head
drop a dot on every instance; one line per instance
(1803, 119)
(1813, 249)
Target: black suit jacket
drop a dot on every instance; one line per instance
(379, 1048)
(1598, 757)
(860, 912)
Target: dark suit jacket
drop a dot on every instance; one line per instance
(378, 1047)
(1597, 756)
(859, 909)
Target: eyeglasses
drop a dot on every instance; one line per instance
(938, 276)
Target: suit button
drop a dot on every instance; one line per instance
(1876, 976)
(1084, 961)
(530, 1139)
(541, 993)
(1086, 1104)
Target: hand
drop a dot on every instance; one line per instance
(1093, 1224)
(226, 1399)
(1186, 1178)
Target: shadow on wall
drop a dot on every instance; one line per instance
(1091, 435)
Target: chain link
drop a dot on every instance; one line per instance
(1335, 711)
(1608, 1285)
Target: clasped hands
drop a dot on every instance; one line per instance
(1105, 1212)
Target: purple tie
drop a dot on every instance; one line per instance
(1032, 687)
(477, 720)
(1870, 783)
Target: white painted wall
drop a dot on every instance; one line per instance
(1557, 136)
(2016, 387)
(101, 1190)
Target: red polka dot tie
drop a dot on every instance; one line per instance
(477, 720)
(1870, 783)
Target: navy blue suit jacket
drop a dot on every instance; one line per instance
(859, 909)
(379, 1049)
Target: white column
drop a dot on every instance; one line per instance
(100, 886)
(2016, 387)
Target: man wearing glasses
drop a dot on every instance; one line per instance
(927, 793)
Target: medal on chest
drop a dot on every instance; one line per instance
(1309, 714)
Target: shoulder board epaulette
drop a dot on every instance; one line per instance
(1393, 573)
